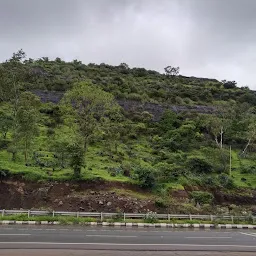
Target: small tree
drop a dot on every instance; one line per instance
(199, 165)
(76, 156)
(146, 176)
(6, 122)
(172, 71)
(27, 117)
(229, 84)
(251, 135)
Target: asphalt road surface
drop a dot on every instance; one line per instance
(74, 240)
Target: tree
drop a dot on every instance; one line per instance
(229, 84)
(76, 156)
(91, 109)
(216, 128)
(172, 71)
(18, 56)
(251, 135)
(168, 121)
(124, 65)
(60, 143)
(6, 120)
(27, 118)
(218, 123)
(12, 74)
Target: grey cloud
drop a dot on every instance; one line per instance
(210, 38)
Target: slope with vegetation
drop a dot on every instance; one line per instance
(173, 136)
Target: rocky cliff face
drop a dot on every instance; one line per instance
(156, 110)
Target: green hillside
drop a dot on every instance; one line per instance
(62, 121)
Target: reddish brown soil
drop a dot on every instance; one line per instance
(95, 196)
(82, 196)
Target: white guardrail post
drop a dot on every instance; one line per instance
(125, 215)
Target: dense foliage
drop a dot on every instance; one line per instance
(88, 135)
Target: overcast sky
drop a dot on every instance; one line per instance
(206, 38)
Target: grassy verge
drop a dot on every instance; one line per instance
(61, 219)
(83, 220)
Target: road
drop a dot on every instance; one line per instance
(121, 241)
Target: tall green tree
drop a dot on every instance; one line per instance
(12, 74)
(91, 109)
(250, 135)
(27, 122)
(6, 120)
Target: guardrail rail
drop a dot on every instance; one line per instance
(104, 215)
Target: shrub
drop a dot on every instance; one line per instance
(202, 197)
(251, 169)
(151, 217)
(4, 143)
(161, 203)
(167, 172)
(225, 181)
(199, 165)
(210, 181)
(145, 176)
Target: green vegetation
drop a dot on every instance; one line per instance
(87, 135)
(150, 218)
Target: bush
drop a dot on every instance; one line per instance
(167, 172)
(225, 181)
(251, 169)
(210, 181)
(4, 143)
(151, 217)
(161, 203)
(202, 197)
(145, 176)
(199, 165)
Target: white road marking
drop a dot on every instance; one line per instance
(205, 237)
(248, 234)
(116, 244)
(111, 236)
(15, 234)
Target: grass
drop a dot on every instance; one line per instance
(174, 186)
(237, 164)
(99, 164)
(64, 220)
(130, 193)
(61, 219)
(19, 167)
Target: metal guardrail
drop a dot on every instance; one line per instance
(103, 215)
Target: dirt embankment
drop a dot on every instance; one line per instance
(82, 196)
(97, 196)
